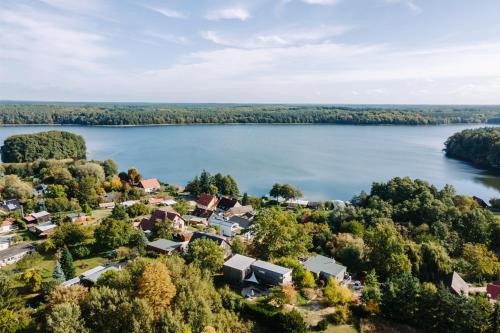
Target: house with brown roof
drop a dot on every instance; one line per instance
(207, 202)
(150, 185)
(38, 217)
(227, 203)
(163, 215)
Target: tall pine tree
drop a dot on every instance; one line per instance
(67, 264)
(58, 273)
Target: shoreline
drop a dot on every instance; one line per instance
(243, 124)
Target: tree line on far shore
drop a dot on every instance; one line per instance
(151, 114)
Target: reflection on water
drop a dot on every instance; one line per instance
(325, 161)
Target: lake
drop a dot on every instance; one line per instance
(325, 161)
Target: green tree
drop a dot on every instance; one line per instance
(482, 263)
(112, 233)
(244, 200)
(371, 294)
(32, 278)
(275, 191)
(58, 274)
(111, 311)
(137, 210)
(436, 263)
(182, 207)
(206, 254)
(337, 294)
(277, 234)
(288, 191)
(119, 212)
(67, 264)
(387, 250)
(110, 168)
(65, 318)
(12, 187)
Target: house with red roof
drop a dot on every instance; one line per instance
(207, 202)
(163, 214)
(7, 225)
(150, 185)
(493, 290)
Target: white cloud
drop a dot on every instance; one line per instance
(172, 38)
(321, 2)
(168, 12)
(235, 13)
(283, 37)
(410, 4)
(87, 6)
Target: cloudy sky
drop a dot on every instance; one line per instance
(262, 51)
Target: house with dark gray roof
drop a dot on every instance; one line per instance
(164, 246)
(268, 273)
(237, 269)
(326, 268)
(14, 254)
(240, 269)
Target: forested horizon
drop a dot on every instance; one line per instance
(129, 114)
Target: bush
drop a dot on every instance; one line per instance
(321, 326)
(341, 316)
(81, 251)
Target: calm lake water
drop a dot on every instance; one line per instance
(325, 161)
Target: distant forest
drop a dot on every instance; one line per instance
(150, 114)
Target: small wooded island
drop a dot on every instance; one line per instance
(87, 248)
(55, 145)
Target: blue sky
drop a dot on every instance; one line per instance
(251, 51)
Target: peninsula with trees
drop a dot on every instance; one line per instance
(85, 247)
(480, 146)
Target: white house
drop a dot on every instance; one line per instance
(150, 185)
(14, 254)
(228, 228)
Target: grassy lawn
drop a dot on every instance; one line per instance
(98, 215)
(82, 265)
(341, 329)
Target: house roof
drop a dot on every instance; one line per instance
(45, 226)
(216, 238)
(455, 282)
(227, 203)
(493, 289)
(319, 263)
(150, 183)
(15, 250)
(70, 282)
(8, 221)
(165, 244)
(271, 267)
(162, 214)
(94, 276)
(239, 262)
(240, 210)
(241, 221)
(41, 214)
(206, 199)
